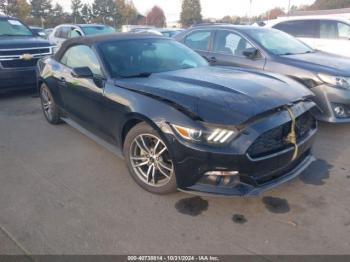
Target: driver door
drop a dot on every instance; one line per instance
(83, 98)
(228, 48)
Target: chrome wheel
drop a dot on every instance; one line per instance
(47, 102)
(150, 160)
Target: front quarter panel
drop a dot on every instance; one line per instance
(131, 105)
(49, 72)
(306, 77)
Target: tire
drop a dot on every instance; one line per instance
(48, 105)
(157, 175)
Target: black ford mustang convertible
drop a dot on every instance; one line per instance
(179, 123)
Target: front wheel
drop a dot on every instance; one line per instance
(149, 160)
(49, 106)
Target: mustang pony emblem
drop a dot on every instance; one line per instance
(26, 57)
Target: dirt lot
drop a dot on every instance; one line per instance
(61, 193)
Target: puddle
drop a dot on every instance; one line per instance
(276, 205)
(317, 173)
(239, 219)
(193, 206)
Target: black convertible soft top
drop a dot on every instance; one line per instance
(91, 40)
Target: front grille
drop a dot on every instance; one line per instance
(267, 179)
(274, 140)
(15, 58)
(19, 52)
(19, 63)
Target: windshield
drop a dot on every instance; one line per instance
(12, 27)
(95, 30)
(139, 57)
(279, 43)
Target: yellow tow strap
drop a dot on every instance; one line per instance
(292, 137)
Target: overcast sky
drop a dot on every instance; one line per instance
(210, 8)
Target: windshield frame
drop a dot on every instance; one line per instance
(252, 35)
(23, 24)
(106, 65)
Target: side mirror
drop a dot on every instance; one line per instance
(251, 53)
(82, 72)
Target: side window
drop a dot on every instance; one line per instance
(344, 31)
(334, 30)
(82, 56)
(198, 40)
(230, 43)
(299, 28)
(74, 33)
(64, 32)
(58, 32)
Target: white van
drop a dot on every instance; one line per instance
(326, 33)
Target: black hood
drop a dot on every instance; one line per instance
(220, 95)
(13, 42)
(320, 62)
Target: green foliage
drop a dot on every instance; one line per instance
(76, 6)
(86, 13)
(41, 8)
(17, 8)
(105, 11)
(191, 12)
(127, 12)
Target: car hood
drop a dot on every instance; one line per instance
(220, 95)
(320, 62)
(13, 42)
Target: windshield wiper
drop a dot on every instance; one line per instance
(142, 74)
(287, 54)
(13, 35)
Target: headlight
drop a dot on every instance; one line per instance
(54, 49)
(209, 136)
(338, 81)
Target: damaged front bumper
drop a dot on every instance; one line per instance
(250, 174)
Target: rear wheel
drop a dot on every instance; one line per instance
(149, 160)
(49, 106)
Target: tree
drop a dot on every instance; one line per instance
(127, 13)
(3, 6)
(105, 11)
(21, 9)
(17, 8)
(191, 12)
(275, 12)
(86, 13)
(329, 4)
(41, 10)
(156, 17)
(76, 6)
(58, 16)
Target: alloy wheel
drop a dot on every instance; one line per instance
(47, 102)
(150, 160)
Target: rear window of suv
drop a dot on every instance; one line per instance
(13, 27)
(300, 28)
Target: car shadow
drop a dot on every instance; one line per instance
(18, 94)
